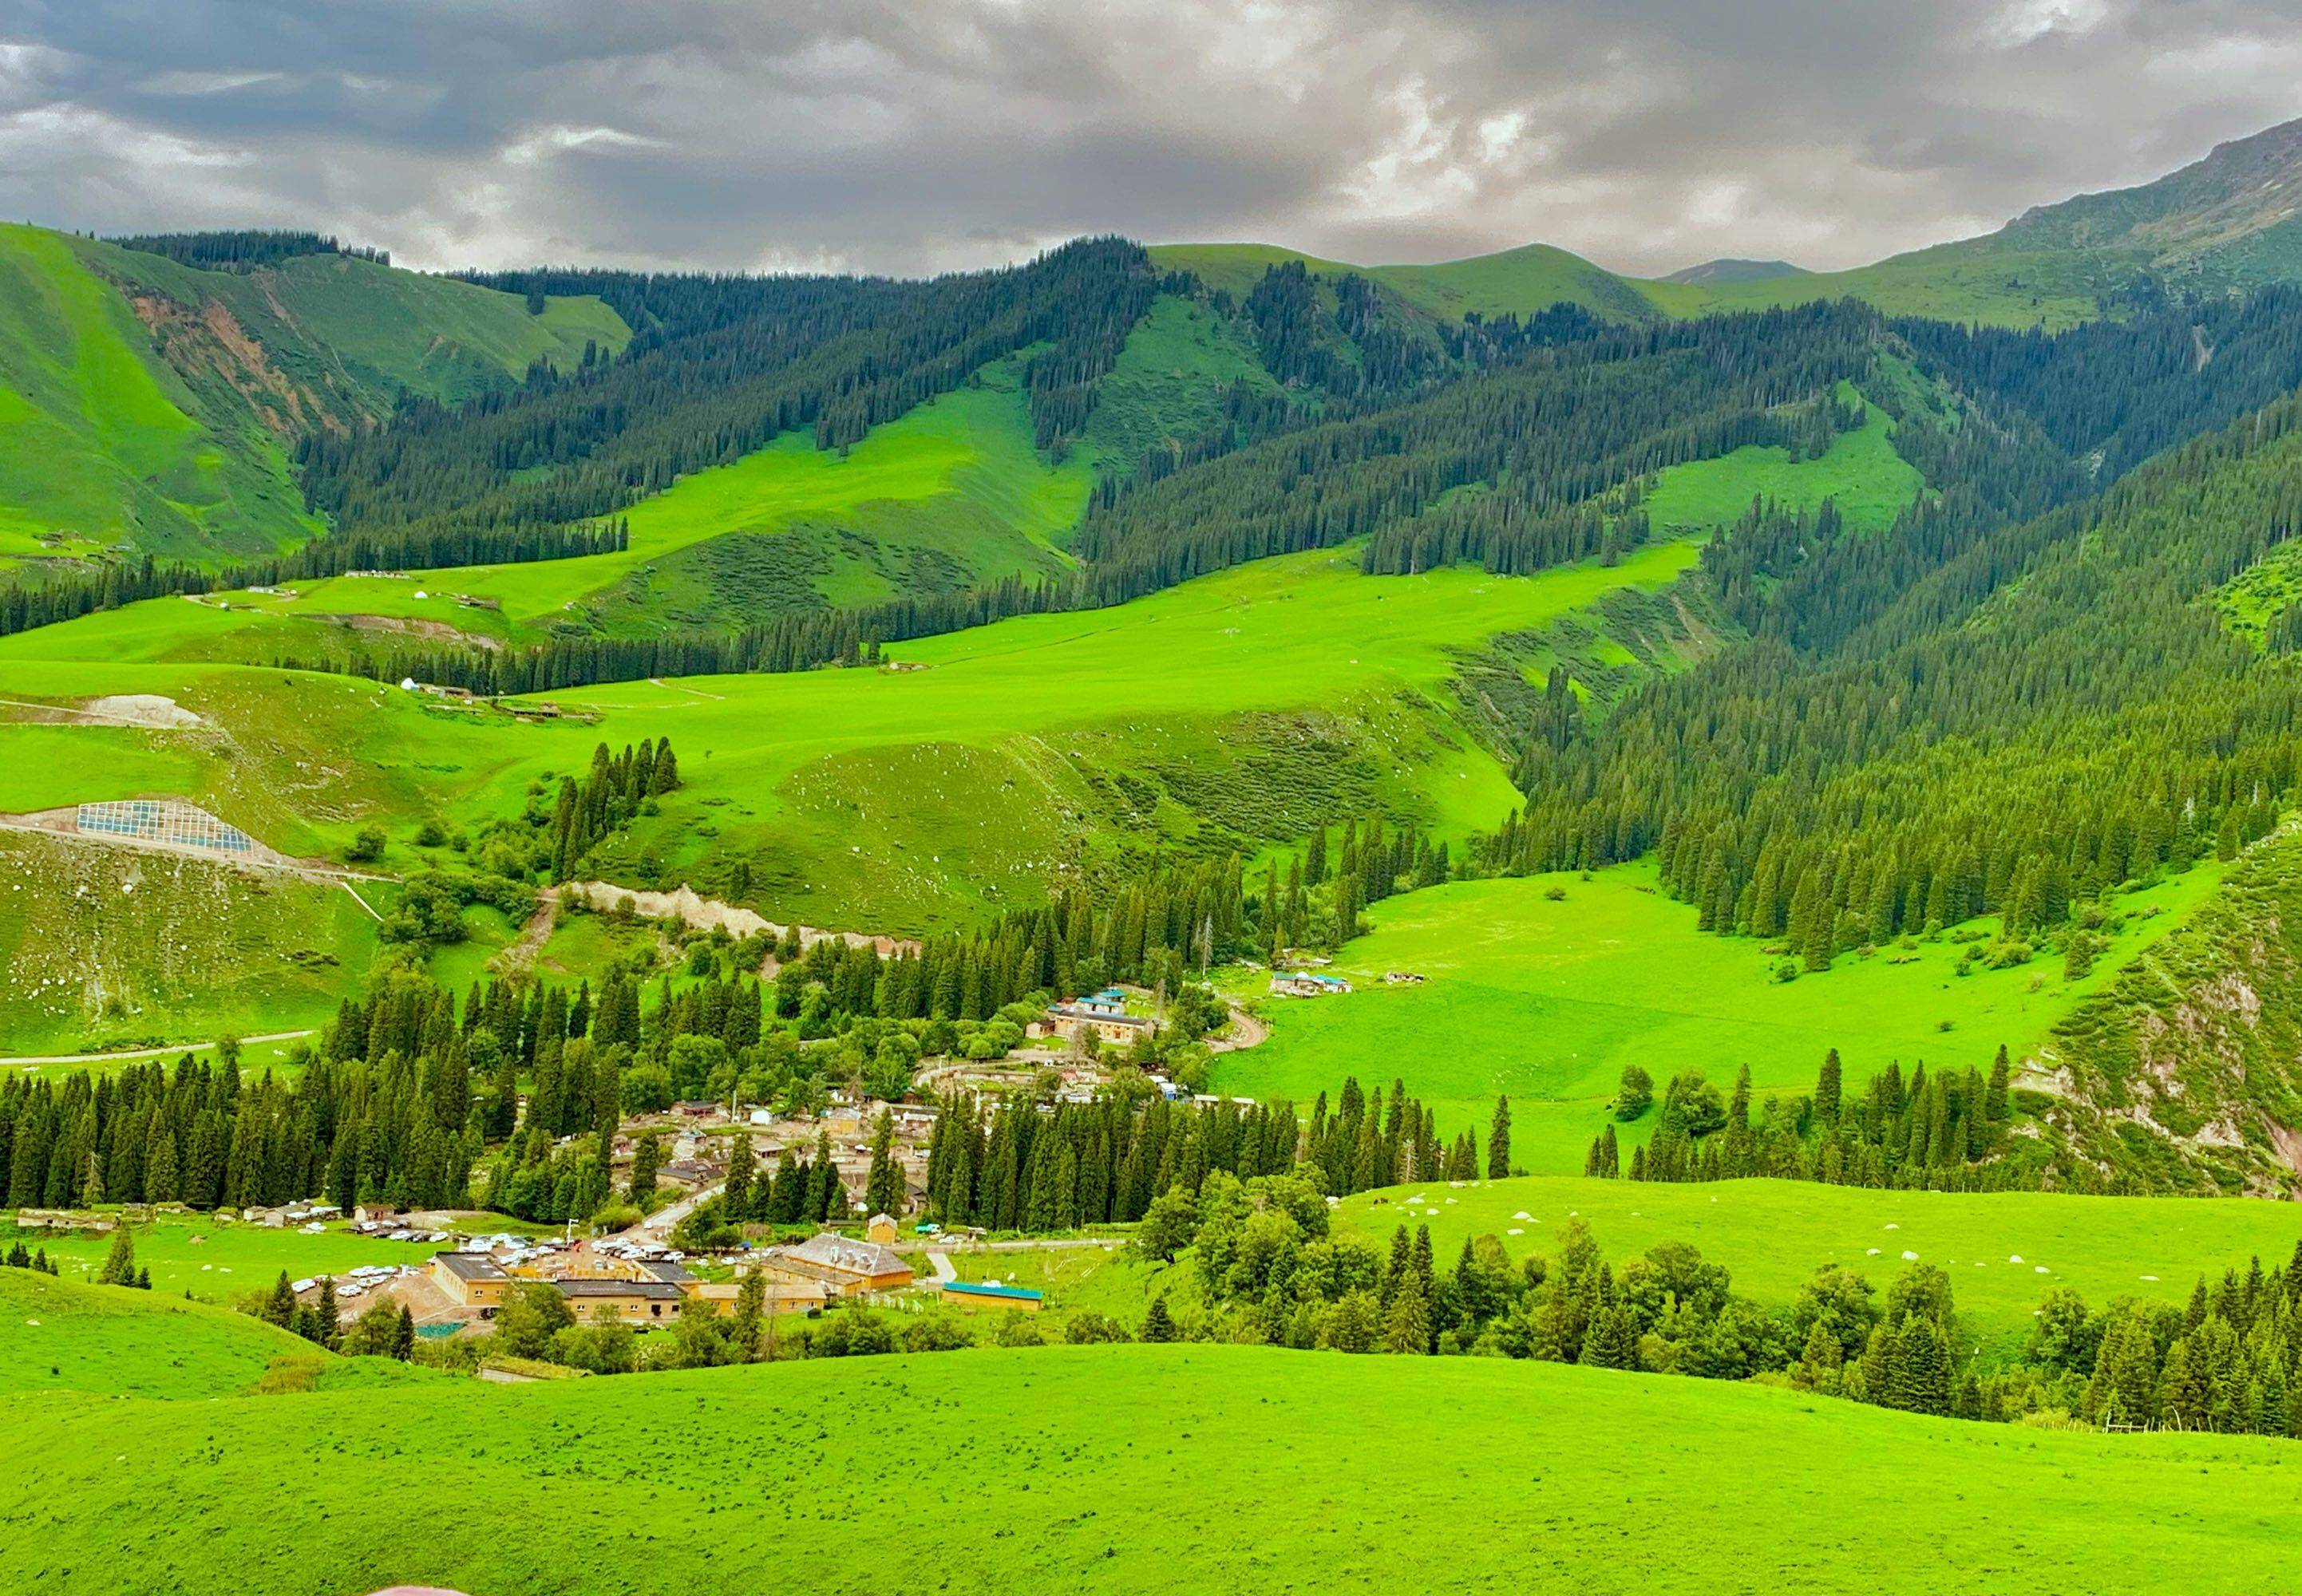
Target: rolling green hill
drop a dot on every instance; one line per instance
(1072, 1467)
(1520, 280)
(109, 947)
(61, 1335)
(1547, 999)
(2045, 287)
(152, 406)
(2002, 1251)
(2225, 220)
(2228, 218)
(1231, 712)
(102, 443)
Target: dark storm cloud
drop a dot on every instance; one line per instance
(909, 135)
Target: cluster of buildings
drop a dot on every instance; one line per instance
(1307, 982)
(644, 1285)
(695, 1135)
(1101, 1015)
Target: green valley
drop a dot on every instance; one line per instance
(1292, 905)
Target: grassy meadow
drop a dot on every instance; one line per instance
(107, 947)
(1248, 700)
(1074, 1468)
(2002, 1250)
(1547, 999)
(63, 1335)
(216, 1262)
(1860, 472)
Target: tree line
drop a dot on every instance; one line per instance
(244, 249)
(1004, 1163)
(836, 355)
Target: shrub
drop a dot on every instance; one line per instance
(1635, 1096)
(1087, 1329)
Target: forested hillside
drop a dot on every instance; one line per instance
(1863, 622)
(161, 385)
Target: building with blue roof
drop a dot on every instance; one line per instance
(968, 1295)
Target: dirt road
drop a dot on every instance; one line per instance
(29, 1060)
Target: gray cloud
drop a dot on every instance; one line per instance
(921, 135)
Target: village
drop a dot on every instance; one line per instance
(651, 1268)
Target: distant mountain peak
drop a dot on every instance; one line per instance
(1731, 270)
(2237, 211)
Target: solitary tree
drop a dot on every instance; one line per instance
(1498, 1142)
(120, 1261)
(279, 1308)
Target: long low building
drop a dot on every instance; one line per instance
(972, 1296)
(845, 1268)
(783, 1297)
(642, 1301)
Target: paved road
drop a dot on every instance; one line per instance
(665, 1220)
(29, 1060)
(1105, 1242)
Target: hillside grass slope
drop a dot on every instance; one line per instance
(1548, 998)
(148, 407)
(63, 1335)
(2002, 1250)
(1127, 1469)
(1237, 709)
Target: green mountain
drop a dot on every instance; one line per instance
(149, 405)
(1734, 270)
(2234, 217)
(1519, 282)
(2228, 220)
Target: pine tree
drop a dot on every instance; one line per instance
(647, 1158)
(1498, 1142)
(1158, 1324)
(279, 1308)
(1919, 1379)
(1406, 1327)
(883, 1190)
(328, 1315)
(119, 1260)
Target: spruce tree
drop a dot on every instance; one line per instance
(328, 1315)
(1827, 1089)
(119, 1267)
(279, 1308)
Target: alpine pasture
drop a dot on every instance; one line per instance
(991, 1469)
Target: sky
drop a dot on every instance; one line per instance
(915, 136)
